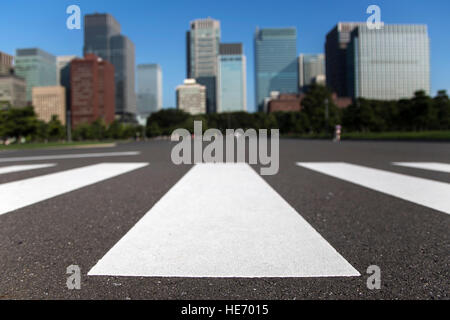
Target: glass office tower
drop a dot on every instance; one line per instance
(337, 42)
(123, 59)
(149, 89)
(390, 63)
(311, 67)
(202, 51)
(231, 79)
(37, 67)
(98, 30)
(275, 62)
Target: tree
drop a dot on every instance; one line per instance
(442, 105)
(153, 130)
(426, 116)
(55, 129)
(169, 120)
(315, 105)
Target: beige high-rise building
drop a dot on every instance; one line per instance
(49, 101)
(6, 63)
(191, 97)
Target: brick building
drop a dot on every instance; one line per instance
(92, 90)
(285, 102)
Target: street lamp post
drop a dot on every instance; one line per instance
(69, 126)
(326, 115)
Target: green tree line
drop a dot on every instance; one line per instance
(320, 116)
(21, 124)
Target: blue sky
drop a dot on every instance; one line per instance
(158, 28)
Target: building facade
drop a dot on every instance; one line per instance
(63, 69)
(231, 78)
(92, 90)
(13, 91)
(275, 63)
(6, 63)
(149, 89)
(311, 70)
(49, 102)
(191, 97)
(390, 63)
(63, 77)
(336, 44)
(202, 51)
(102, 37)
(98, 30)
(37, 67)
(285, 102)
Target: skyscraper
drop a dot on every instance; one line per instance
(63, 69)
(93, 90)
(98, 30)
(149, 89)
(191, 97)
(275, 62)
(231, 79)
(389, 63)
(123, 59)
(102, 37)
(37, 67)
(311, 69)
(63, 78)
(202, 52)
(336, 45)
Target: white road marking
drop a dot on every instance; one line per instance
(224, 221)
(10, 169)
(433, 166)
(71, 156)
(19, 194)
(428, 193)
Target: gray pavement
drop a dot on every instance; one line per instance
(409, 242)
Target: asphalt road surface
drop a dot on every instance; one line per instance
(140, 227)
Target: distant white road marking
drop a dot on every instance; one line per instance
(10, 169)
(71, 156)
(225, 221)
(19, 194)
(428, 193)
(433, 166)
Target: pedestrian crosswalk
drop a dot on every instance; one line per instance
(433, 166)
(223, 220)
(11, 169)
(22, 193)
(428, 193)
(236, 227)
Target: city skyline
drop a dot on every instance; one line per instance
(170, 53)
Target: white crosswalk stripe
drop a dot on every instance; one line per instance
(11, 169)
(71, 156)
(428, 193)
(433, 166)
(223, 220)
(19, 194)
